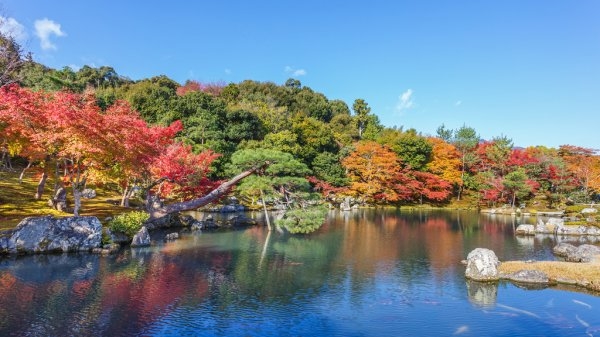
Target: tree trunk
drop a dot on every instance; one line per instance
(41, 185)
(125, 197)
(57, 180)
(2, 163)
(76, 201)
(6, 160)
(217, 193)
(23, 172)
(262, 199)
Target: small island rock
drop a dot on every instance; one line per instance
(482, 265)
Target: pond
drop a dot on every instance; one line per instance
(364, 273)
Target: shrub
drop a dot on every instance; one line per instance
(303, 221)
(129, 223)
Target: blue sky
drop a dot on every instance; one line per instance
(529, 70)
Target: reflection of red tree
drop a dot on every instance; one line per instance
(7, 281)
(81, 289)
(141, 296)
(15, 294)
(444, 246)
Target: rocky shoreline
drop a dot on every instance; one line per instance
(581, 267)
(50, 235)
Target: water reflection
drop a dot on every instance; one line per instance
(366, 272)
(482, 294)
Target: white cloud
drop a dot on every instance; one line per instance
(458, 103)
(76, 67)
(299, 72)
(405, 101)
(44, 29)
(294, 72)
(11, 27)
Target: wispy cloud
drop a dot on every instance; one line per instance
(405, 101)
(44, 29)
(294, 72)
(227, 71)
(458, 103)
(76, 67)
(11, 27)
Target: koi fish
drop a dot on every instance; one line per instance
(583, 304)
(582, 322)
(461, 330)
(525, 312)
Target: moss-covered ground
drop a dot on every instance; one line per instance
(17, 199)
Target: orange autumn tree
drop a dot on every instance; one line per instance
(373, 170)
(584, 165)
(445, 161)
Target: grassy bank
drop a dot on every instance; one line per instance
(17, 199)
(586, 275)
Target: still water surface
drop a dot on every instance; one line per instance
(365, 273)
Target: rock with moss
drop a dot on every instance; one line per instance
(49, 235)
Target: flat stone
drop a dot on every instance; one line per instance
(528, 276)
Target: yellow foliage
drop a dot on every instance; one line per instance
(445, 161)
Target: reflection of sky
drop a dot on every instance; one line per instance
(372, 273)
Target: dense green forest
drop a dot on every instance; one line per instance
(95, 126)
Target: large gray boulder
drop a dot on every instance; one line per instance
(48, 234)
(583, 253)
(564, 249)
(482, 265)
(141, 238)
